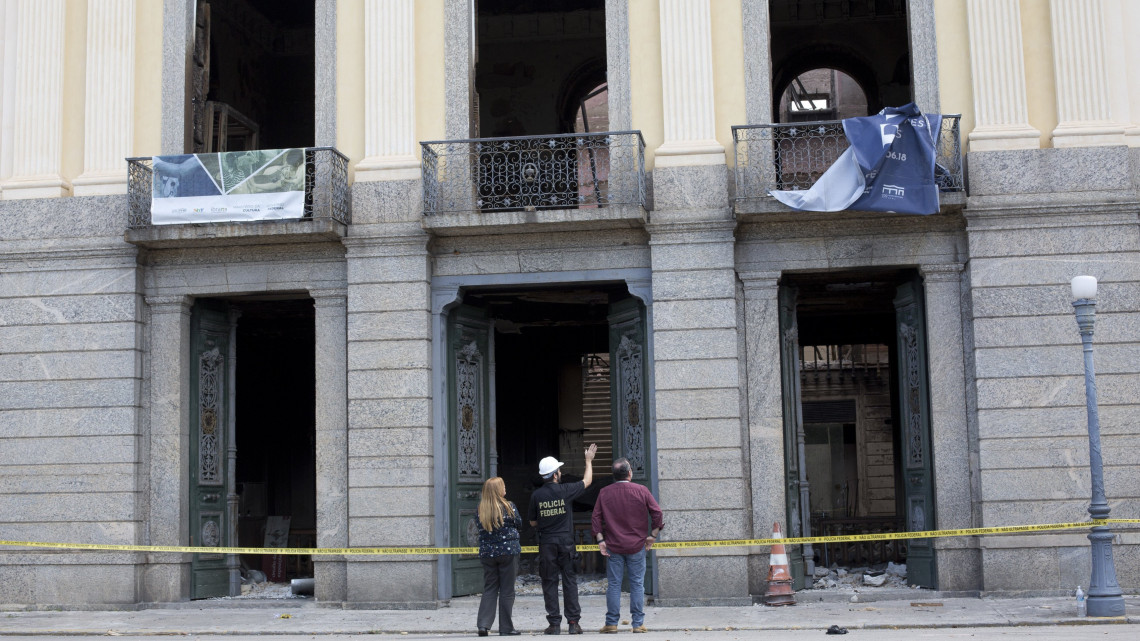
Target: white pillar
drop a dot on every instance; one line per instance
(998, 73)
(390, 146)
(1080, 74)
(7, 83)
(1121, 20)
(37, 137)
(687, 87)
(110, 94)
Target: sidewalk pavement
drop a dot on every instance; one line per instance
(903, 609)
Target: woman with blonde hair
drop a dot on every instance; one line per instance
(499, 523)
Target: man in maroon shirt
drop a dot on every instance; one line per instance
(619, 524)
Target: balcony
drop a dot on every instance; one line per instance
(327, 210)
(794, 155)
(564, 181)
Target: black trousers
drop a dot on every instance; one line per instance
(556, 559)
(499, 575)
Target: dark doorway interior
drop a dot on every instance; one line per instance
(275, 416)
(537, 61)
(254, 61)
(552, 391)
(849, 382)
(866, 40)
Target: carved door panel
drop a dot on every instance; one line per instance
(629, 395)
(468, 418)
(793, 429)
(914, 420)
(211, 435)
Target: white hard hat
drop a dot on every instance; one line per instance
(548, 465)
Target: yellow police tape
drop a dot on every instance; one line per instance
(660, 545)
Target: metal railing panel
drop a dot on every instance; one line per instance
(791, 156)
(531, 173)
(327, 193)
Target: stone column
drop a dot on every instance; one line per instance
(998, 76)
(923, 55)
(324, 110)
(37, 138)
(390, 432)
(757, 62)
(331, 440)
(687, 87)
(765, 415)
(108, 124)
(390, 149)
(177, 47)
(167, 575)
(700, 452)
(1080, 73)
(958, 559)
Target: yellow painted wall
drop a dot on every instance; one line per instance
(74, 83)
(955, 89)
(645, 74)
(646, 96)
(350, 79)
(148, 79)
(1040, 89)
(430, 81)
(728, 70)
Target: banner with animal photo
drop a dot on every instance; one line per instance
(268, 184)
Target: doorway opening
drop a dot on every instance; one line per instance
(253, 75)
(861, 461)
(540, 80)
(254, 432)
(867, 41)
(565, 368)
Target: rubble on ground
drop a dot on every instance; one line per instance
(889, 575)
(531, 584)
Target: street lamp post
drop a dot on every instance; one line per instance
(1105, 598)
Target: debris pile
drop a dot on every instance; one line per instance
(890, 575)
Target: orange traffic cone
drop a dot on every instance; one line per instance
(779, 590)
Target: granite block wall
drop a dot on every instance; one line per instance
(70, 390)
(390, 462)
(697, 375)
(1030, 232)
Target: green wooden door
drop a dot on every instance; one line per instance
(211, 435)
(629, 403)
(468, 418)
(914, 413)
(793, 430)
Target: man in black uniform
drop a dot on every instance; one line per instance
(551, 513)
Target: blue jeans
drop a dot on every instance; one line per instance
(633, 565)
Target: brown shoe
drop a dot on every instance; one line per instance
(608, 629)
(641, 628)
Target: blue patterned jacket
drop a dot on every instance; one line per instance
(501, 541)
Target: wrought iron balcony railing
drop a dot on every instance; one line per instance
(788, 156)
(532, 173)
(327, 193)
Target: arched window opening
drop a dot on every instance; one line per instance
(822, 94)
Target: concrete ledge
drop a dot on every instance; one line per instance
(547, 220)
(699, 602)
(265, 232)
(749, 209)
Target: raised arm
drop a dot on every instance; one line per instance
(588, 477)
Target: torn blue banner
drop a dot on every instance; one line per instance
(889, 166)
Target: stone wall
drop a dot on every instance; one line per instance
(1036, 219)
(71, 387)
